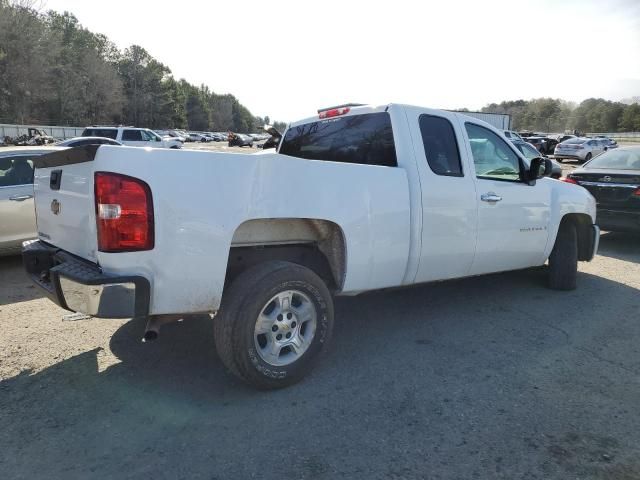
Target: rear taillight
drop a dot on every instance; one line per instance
(334, 112)
(124, 213)
(569, 180)
(637, 192)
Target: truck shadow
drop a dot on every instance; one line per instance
(14, 285)
(623, 246)
(396, 357)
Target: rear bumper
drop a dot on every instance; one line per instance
(80, 286)
(568, 156)
(619, 220)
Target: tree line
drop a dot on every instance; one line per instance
(54, 71)
(555, 115)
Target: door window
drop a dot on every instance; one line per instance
(492, 157)
(149, 136)
(132, 136)
(15, 171)
(440, 146)
(100, 132)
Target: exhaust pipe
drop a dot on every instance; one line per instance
(152, 330)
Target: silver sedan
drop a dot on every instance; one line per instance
(17, 216)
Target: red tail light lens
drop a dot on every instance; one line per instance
(637, 192)
(334, 112)
(124, 213)
(569, 180)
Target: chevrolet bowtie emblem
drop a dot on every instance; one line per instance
(55, 206)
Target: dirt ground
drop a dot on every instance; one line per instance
(493, 377)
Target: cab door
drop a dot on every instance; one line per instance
(448, 196)
(17, 217)
(513, 216)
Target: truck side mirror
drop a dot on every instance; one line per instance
(539, 167)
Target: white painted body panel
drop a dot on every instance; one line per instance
(74, 227)
(449, 209)
(400, 225)
(194, 231)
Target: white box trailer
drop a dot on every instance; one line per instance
(61, 133)
(498, 120)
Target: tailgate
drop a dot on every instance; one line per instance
(63, 192)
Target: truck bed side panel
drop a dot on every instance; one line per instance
(200, 198)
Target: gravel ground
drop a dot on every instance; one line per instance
(489, 378)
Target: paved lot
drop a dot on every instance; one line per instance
(493, 377)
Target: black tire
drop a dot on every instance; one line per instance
(242, 303)
(563, 261)
(587, 158)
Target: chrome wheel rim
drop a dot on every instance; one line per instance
(285, 328)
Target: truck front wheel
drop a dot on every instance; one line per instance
(563, 261)
(275, 320)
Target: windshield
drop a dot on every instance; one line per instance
(617, 160)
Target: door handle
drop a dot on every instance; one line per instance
(20, 198)
(490, 197)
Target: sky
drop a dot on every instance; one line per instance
(287, 58)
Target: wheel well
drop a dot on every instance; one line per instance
(583, 223)
(316, 244)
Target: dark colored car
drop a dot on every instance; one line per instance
(240, 140)
(539, 142)
(530, 152)
(562, 138)
(613, 178)
(82, 141)
(274, 140)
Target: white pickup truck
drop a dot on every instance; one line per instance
(354, 199)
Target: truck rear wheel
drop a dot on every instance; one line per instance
(275, 320)
(563, 261)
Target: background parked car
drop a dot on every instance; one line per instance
(132, 136)
(82, 141)
(608, 142)
(17, 219)
(540, 143)
(613, 178)
(511, 135)
(562, 138)
(274, 137)
(240, 140)
(530, 152)
(172, 134)
(196, 137)
(579, 148)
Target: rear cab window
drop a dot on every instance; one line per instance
(440, 146)
(365, 139)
